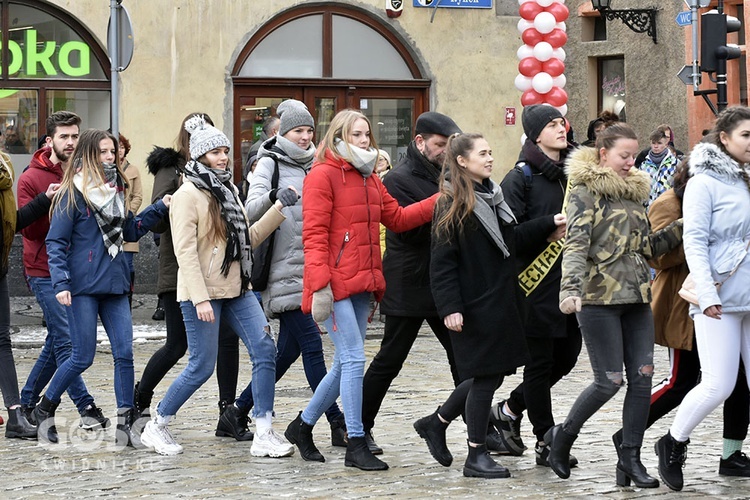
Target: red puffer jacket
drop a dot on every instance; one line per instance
(341, 214)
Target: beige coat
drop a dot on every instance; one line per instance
(135, 197)
(199, 276)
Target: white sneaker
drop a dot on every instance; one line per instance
(160, 439)
(271, 444)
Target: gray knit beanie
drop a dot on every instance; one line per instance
(293, 114)
(536, 117)
(204, 137)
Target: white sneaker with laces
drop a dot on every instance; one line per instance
(159, 438)
(271, 444)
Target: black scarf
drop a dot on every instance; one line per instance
(534, 156)
(238, 237)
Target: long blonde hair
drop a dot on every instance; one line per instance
(341, 128)
(461, 192)
(86, 161)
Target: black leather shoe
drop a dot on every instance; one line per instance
(672, 455)
(560, 443)
(480, 464)
(736, 465)
(542, 455)
(124, 435)
(358, 455)
(374, 448)
(233, 423)
(300, 433)
(17, 426)
(432, 430)
(630, 467)
(338, 432)
(44, 414)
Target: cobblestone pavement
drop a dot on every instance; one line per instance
(87, 465)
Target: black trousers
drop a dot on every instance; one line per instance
(474, 396)
(551, 360)
(684, 374)
(398, 338)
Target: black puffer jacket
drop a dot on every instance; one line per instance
(406, 263)
(166, 165)
(540, 203)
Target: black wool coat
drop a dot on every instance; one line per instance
(469, 274)
(406, 263)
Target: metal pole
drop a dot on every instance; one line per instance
(696, 65)
(114, 8)
(721, 74)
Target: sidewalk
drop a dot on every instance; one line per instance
(86, 465)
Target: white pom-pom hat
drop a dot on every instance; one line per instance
(204, 137)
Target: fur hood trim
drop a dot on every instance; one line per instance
(707, 158)
(160, 158)
(583, 168)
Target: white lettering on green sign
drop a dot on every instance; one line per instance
(34, 54)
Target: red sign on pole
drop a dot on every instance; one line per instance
(510, 116)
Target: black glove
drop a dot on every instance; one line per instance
(287, 197)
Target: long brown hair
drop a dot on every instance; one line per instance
(460, 194)
(86, 161)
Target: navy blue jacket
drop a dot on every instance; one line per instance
(78, 259)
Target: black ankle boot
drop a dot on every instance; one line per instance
(358, 455)
(672, 455)
(142, 402)
(300, 433)
(17, 426)
(617, 440)
(233, 423)
(560, 443)
(432, 430)
(44, 413)
(630, 467)
(480, 464)
(28, 412)
(338, 432)
(124, 435)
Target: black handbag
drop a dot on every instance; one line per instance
(262, 253)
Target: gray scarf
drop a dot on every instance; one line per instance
(296, 153)
(363, 160)
(490, 208)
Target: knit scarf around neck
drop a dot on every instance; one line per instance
(107, 201)
(551, 169)
(656, 159)
(363, 160)
(296, 153)
(219, 184)
(8, 206)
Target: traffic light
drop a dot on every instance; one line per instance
(714, 29)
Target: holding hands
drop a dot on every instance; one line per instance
(285, 197)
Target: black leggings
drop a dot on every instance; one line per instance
(475, 396)
(8, 376)
(174, 349)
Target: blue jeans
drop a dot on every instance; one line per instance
(298, 333)
(246, 317)
(55, 351)
(347, 327)
(114, 311)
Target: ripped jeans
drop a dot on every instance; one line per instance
(617, 335)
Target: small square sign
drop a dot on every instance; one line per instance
(510, 116)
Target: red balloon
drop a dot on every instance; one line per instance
(556, 38)
(559, 10)
(530, 97)
(555, 67)
(531, 36)
(529, 10)
(529, 66)
(556, 96)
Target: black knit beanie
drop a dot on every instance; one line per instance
(536, 117)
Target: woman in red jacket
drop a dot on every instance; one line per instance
(342, 207)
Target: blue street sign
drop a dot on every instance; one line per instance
(464, 4)
(684, 18)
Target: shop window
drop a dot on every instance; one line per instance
(382, 61)
(593, 29)
(611, 79)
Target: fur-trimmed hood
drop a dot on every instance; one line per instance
(160, 158)
(707, 158)
(583, 168)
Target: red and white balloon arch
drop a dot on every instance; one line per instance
(541, 64)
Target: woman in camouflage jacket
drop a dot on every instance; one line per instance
(606, 281)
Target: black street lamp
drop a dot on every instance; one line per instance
(638, 20)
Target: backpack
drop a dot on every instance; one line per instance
(261, 255)
(528, 181)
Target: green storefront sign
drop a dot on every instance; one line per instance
(36, 58)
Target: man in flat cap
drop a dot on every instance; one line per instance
(406, 265)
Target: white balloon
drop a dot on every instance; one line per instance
(543, 51)
(542, 82)
(562, 109)
(525, 51)
(523, 25)
(523, 139)
(561, 26)
(545, 3)
(559, 53)
(523, 83)
(560, 81)
(544, 22)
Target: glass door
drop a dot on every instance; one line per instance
(323, 104)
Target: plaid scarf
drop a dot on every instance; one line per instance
(219, 184)
(108, 203)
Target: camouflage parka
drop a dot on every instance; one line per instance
(609, 239)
